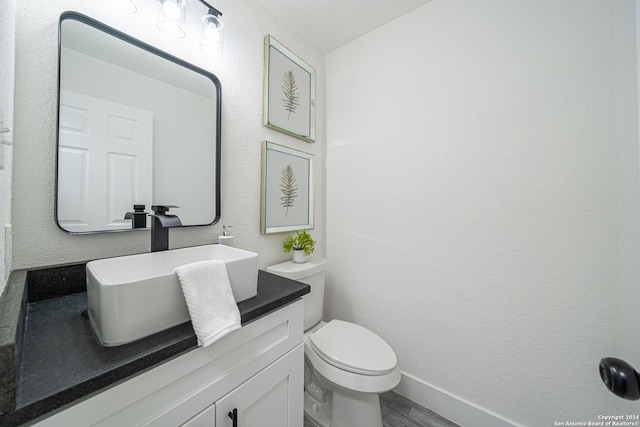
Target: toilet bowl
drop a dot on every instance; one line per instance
(346, 365)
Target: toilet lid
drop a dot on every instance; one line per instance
(353, 348)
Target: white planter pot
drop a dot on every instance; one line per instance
(299, 257)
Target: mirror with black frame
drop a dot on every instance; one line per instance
(136, 127)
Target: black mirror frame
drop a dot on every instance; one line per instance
(71, 15)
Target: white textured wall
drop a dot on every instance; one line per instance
(7, 76)
(472, 210)
(37, 239)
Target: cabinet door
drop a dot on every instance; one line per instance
(206, 418)
(271, 398)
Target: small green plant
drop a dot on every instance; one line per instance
(301, 241)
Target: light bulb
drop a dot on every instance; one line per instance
(171, 21)
(212, 34)
(171, 10)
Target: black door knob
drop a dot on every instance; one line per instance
(620, 378)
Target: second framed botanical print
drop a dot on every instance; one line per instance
(287, 189)
(289, 92)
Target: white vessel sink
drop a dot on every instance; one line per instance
(134, 296)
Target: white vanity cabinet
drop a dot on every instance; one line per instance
(258, 371)
(267, 398)
(270, 398)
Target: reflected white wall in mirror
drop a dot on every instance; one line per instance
(143, 129)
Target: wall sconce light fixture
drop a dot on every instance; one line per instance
(172, 16)
(212, 35)
(172, 21)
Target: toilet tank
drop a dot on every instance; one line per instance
(311, 273)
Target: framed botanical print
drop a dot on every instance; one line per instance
(289, 92)
(287, 189)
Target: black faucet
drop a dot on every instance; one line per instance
(160, 225)
(138, 217)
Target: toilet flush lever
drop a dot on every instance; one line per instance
(234, 416)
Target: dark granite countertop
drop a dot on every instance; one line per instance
(62, 361)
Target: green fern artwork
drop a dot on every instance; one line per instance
(289, 188)
(290, 91)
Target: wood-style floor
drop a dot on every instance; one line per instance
(398, 411)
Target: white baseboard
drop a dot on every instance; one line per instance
(458, 410)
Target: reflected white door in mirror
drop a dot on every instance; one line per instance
(105, 162)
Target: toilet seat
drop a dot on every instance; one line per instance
(340, 377)
(353, 348)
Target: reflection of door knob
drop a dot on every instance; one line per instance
(620, 378)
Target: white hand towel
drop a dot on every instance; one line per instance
(210, 301)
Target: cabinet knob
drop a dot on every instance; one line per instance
(234, 416)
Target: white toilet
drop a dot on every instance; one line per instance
(346, 366)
